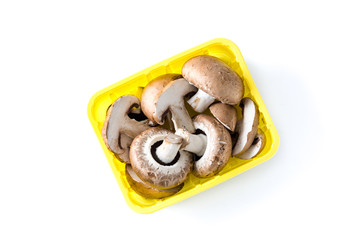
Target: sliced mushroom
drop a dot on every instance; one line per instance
(255, 148)
(246, 128)
(151, 91)
(124, 143)
(214, 79)
(146, 190)
(225, 114)
(218, 147)
(172, 99)
(153, 170)
(211, 143)
(119, 129)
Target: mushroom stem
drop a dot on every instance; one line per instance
(201, 101)
(195, 143)
(168, 150)
(181, 118)
(171, 124)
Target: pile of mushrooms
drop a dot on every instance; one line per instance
(162, 144)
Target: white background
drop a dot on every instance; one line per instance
(55, 182)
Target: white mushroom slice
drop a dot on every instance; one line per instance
(119, 120)
(151, 92)
(172, 99)
(150, 168)
(212, 145)
(218, 149)
(118, 123)
(124, 143)
(246, 127)
(225, 114)
(255, 148)
(214, 79)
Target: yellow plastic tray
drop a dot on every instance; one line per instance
(229, 53)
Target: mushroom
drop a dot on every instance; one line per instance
(225, 114)
(214, 79)
(124, 144)
(154, 170)
(146, 190)
(255, 148)
(211, 143)
(215, 149)
(246, 128)
(119, 129)
(151, 90)
(172, 99)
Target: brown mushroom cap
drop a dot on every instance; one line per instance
(118, 123)
(218, 149)
(151, 90)
(214, 77)
(225, 114)
(146, 190)
(143, 161)
(255, 148)
(246, 128)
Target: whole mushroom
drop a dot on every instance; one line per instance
(146, 190)
(246, 128)
(214, 80)
(119, 129)
(152, 167)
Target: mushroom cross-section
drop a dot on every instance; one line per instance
(225, 114)
(214, 79)
(153, 169)
(172, 99)
(211, 143)
(119, 129)
(151, 91)
(255, 148)
(124, 144)
(246, 128)
(218, 146)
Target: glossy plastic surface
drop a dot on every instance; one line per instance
(229, 53)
